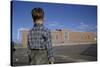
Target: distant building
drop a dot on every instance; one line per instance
(60, 36)
(23, 37)
(72, 37)
(81, 37)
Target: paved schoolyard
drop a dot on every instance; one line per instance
(62, 54)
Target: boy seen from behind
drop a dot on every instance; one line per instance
(39, 40)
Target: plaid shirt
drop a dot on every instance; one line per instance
(39, 37)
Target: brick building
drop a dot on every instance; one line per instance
(60, 36)
(66, 36)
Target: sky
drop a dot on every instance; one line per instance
(57, 16)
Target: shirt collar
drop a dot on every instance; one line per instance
(38, 25)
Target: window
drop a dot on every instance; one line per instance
(66, 34)
(56, 36)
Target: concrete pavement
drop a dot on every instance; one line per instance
(62, 54)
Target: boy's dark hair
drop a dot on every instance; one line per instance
(37, 13)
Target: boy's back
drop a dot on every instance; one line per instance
(39, 40)
(38, 36)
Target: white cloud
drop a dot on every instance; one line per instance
(22, 29)
(81, 27)
(86, 27)
(56, 24)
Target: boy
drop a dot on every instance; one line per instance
(39, 40)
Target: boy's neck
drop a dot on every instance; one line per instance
(39, 22)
